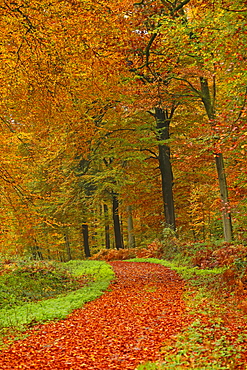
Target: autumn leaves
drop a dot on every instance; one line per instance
(120, 100)
(123, 328)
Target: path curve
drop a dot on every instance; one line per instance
(126, 326)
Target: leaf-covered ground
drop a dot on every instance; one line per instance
(126, 326)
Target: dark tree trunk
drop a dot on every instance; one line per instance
(48, 254)
(107, 228)
(162, 123)
(116, 222)
(85, 240)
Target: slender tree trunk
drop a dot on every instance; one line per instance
(107, 228)
(85, 240)
(67, 246)
(163, 121)
(131, 236)
(94, 230)
(122, 232)
(48, 254)
(219, 161)
(226, 214)
(36, 251)
(116, 222)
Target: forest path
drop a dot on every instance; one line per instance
(126, 326)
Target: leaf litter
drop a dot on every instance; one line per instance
(126, 326)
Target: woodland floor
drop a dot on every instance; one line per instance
(126, 326)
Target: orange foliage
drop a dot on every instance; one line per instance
(77, 81)
(155, 250)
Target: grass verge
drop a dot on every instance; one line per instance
(20, 317)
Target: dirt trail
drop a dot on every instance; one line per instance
(123, 328)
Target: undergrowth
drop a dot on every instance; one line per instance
(70, 284)
(231, 258)
(27, 282)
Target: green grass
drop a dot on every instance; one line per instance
(184, 271)
(24, 282)
(24, 314)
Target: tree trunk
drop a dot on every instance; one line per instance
(131, 236)
(85, 240)
(36, 251)
(116, 222)
(162, 123)
(226, 214)
(67, 246)
(122, 232)
(107, 228)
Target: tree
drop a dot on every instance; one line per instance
(75, 92)
(184, 31)
(163, 119)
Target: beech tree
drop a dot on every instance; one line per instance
(185, 30)
(113, 86)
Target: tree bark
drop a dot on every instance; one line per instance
(226, 214)
(107, 228)
(219, 161)
(131, 236)
(85, 240)
(162, 123)
(116, 222)
(67, 246)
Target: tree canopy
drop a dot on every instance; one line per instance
(127, 102)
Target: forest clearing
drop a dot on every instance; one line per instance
(123, 147)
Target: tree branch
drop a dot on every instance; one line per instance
(181, 5)
(155, 156)
(147, 50)
(190, 84)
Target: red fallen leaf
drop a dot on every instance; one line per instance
(123, 328)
